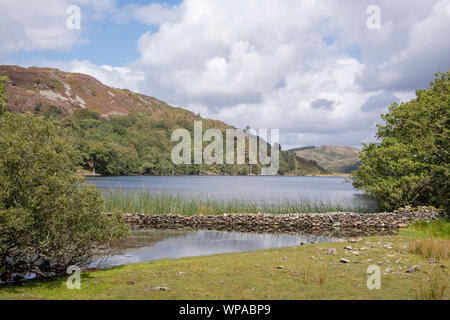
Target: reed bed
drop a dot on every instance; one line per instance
(158, 203)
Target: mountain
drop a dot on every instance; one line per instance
(118, 131)
(337, 159)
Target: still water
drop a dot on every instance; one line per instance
(145, 245)
(237, 187)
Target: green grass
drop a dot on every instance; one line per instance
(154, 203)
(438, 229)
(308, 273)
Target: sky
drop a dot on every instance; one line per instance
(320, 71)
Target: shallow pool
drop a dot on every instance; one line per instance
(145, 245)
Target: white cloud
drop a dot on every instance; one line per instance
(266, 64)
(42, 25)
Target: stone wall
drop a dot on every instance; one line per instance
(330, 224)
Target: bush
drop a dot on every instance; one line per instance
(49, 218)
(411, 166)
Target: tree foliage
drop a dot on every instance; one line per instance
(49, 218)
(411, 165)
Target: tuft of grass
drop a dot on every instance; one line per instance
(311, 274)
(432, 289)
(157, 203)
(437, 229)
(431, 248)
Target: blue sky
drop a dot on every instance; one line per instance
(109, 41)
(314, 70)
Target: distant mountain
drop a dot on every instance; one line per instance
(337, 159)
(118, 131)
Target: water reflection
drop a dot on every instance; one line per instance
(146, 245)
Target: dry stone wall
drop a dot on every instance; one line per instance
(329, 224)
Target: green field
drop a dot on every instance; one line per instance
(303, 272)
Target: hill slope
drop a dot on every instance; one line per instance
(338, 159)
(118, 131)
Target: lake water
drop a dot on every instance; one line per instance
(146, 245)
(238, 187)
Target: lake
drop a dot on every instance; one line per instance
(238, 187)
(146, 245)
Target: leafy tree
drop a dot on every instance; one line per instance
(49, 218)
(411, 165)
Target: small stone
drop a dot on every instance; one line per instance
(348, 248)
(280, 267)
(285, 258)
(331, 251)
(432, 261)
(343, 260)
(130, 282)
(157, 289)
(355, 253)
(363, 248)
(413, 269)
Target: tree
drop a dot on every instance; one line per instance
(49, 218)
(411, 164)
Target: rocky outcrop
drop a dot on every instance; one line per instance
(327, 224)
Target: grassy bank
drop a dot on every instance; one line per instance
(303, 272)
(154, 203)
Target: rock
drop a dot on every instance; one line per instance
(402, 225)
(363, 248)
(355, 240)
(130, 282)
(280, 267)
(348, 248)
(413, 269)
(355, 253)
(343, 260)
(331, 251)
(432, 261)
(157, 289)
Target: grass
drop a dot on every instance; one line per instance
(439, 229)
(307, 272)
(432, 289)
(431, 248)
(434, 238)
(155, 203)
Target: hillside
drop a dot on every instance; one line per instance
(337, 159)
(117, 131)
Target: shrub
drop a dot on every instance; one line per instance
(49, 218)
(411, 165)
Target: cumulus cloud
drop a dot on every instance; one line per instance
(379, 102)
(42, 25)
(322, 104)
(310, 68)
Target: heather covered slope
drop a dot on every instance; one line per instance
(118, 131)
